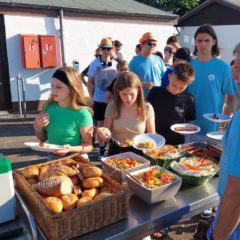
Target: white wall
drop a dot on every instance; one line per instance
(81, 38)
(228, 38)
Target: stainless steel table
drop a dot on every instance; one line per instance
(143, 219)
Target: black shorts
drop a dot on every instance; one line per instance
(99, 109)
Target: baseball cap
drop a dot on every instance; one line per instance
(106, 42)
(148, 37)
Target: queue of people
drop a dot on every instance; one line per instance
(149, 96)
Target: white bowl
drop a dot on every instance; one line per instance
(158, 139)
(119, 175)
(154, 195)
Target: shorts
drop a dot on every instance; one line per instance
(99, 109)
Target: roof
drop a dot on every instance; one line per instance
(119, 7)
(215, 9)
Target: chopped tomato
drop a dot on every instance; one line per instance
(189, 166)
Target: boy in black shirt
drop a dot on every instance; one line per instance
(173, 104)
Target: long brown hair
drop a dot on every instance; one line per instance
(208, 29)
(76, 90)
(128, 80)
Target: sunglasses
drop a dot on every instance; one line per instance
(104, 48)
(151, 44)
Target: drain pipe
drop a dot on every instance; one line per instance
(21, 97)
(62, 38)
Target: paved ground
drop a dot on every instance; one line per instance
(14, 131)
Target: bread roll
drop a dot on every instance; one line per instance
(92, 182)
(55, 186)
(69, 201)
(102, 196)
(89, 172)
(77, 190)
(30, 172)
(54, 204)
(83, 201)
(90, 193)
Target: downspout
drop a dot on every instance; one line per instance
(62, 38)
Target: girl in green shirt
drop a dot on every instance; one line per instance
(66, 119)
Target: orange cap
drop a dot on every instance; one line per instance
(148, 37)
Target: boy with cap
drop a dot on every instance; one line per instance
(147, 66)
(172, 104)
(182, 55)
(101, 73)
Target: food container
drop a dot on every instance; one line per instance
(119, 175)
(194, 174)
(77, 221)
(166, 153)
(161, 193)
(202, 149)
(7, 196)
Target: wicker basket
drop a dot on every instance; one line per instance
(75, 222)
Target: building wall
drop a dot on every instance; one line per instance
(81, 38)
(227, 39)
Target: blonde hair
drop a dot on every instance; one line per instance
(76, 90)
(122, 66)
(128, 80)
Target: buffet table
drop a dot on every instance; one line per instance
(143, 219)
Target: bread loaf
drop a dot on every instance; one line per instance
(102, 195)
(83, 201)
(69, 201)
(30, 172)
(90, 193)
(92, 182)
(54, 204)
(55, 186)
(58, 170)
(89, 172)
(32, 180)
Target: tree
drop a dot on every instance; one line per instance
(179, 7)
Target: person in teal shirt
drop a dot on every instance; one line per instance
(66, 119)
(226, 225)
(212, 80)
(147, 66)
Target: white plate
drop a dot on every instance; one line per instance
(159, 140)
(47, 147)
(222, 117)
(185, 125)
(218, 135)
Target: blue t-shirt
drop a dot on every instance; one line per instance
(165, 80)
(148, 69)
(230, 159)
(212, 81)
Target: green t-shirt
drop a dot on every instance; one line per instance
(65, 123)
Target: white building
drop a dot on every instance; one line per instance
(84, 24)
(223, 15)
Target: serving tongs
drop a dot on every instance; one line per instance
(113, 139)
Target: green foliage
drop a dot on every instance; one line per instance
(179, 7)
